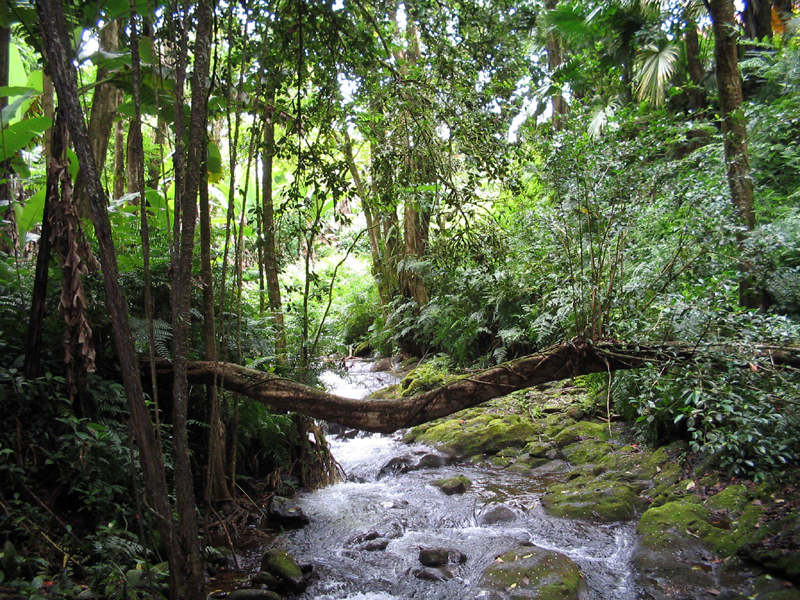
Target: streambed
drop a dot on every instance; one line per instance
(365, 535)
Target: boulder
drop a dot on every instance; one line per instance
(532, 572)
(496, 513)
(284, 569)
(438, 557)
(283, 511)
(453, 485)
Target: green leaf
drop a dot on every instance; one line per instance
(32, 213)
(214, 159)
(19, 135)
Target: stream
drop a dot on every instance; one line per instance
(366, 533)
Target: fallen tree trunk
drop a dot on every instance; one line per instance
(554, 364)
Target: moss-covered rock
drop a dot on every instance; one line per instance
(532, 572)
(582, 430)
(453, 485)
(589, 498)
(480, 434)
(282, 566)
(586, 451)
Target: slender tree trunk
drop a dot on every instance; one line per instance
(758, 19)
(734, 130)
(53, 149)
(192, 572)
(217, 489)
(119, 159)
(693, 62)
(60, 56)
(101, 115)
(270, 256)
(5, 172)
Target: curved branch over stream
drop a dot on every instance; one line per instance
(387, 415)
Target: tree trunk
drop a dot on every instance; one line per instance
(270, 256)
(192, 571)
(385, 416)
(119, 160)
(694, 66)
(217, 490)
(60, 56)
(757, 19)
(5, 172)
(734, 130)
(101, 116)
(53, 151)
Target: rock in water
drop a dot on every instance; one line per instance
(533, 572)
(283, 567)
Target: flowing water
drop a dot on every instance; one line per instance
(366, 533)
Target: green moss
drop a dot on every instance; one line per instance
(538, 449)
(586, 451)
(483, 434)
(583, 430)
(733, 499)
(664, 526)
(532, 572)
(589, 498)
(281, 564)
(453, 485)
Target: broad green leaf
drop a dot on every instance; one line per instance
(31, 214)
(19, 135)
(13, 112)
(214, 160)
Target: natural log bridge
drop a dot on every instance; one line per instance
(554, 364)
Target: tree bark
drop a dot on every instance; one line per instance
(103, 109)
(757, 19)
(694, 65)
(60, 56)
(192, 570)
(270, 257)
(385, 416)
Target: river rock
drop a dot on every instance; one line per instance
(496, 513)
(434, 574)
(453, 485)
(412, 462)
(438, 557)
(283, 567)
(284, 511)
(593, 499)
(533, 572)
(480, 433)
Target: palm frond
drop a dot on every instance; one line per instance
(656, 65)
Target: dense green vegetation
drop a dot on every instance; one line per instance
(465, 182)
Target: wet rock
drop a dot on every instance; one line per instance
(411, 462)
(375, 545)
(382, 365)
(284, 511)
(497, 513)
(220, 558)
(453, 485)
(252, 594)
(437, 557)
(533, 572)
(434, 574)
(283, 567)
(593, 499)
(268, 580)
